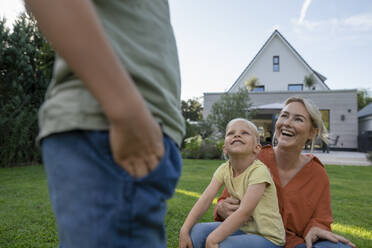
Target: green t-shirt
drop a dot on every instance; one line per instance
(266, 219)
(142, 37)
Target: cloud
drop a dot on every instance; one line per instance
(357, 23)
(304, 8)
(360, 22)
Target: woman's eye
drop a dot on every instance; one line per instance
(299, 119)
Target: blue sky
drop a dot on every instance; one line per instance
(217, 39)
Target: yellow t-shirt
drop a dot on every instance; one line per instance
(266, 219)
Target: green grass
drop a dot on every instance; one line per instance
(26, 218)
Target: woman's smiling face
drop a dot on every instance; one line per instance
(294, 127)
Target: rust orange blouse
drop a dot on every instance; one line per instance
(304, 202)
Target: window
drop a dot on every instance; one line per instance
(276, 63)
(295, 87)
(260, 88)
(325, 117)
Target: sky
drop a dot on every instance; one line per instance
(217, 39)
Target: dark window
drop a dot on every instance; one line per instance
(295, 87)
(276, 63)
(260, 88)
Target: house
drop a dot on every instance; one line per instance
(280, 71)
(365, 128)
(365, 119)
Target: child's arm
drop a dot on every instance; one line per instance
(239, 217)
(75, 31)
(200, 207)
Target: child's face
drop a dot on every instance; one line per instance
(241, 139)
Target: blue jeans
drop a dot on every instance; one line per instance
(239, 239)
(325, 244)
(97, 203)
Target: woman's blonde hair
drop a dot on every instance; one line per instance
(315, 116)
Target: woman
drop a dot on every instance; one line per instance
(301, 180)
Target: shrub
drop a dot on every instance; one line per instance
(197, 148)
(192, 147)
(212, 149)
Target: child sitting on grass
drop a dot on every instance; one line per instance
(257, 222)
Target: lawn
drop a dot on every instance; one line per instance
(26, 219)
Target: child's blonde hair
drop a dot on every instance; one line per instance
(251, 124)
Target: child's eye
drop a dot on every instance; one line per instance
(245, 132)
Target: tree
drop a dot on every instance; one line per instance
(228, 107)
(192, 110)
(363, 98)
(251, 83)
(26, 62)
(309, 81)
(205, 128)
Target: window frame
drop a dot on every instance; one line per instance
(259, 87)
(276, 64)
(302, 87)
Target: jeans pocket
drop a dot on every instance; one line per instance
(165, 176)
(167, 169)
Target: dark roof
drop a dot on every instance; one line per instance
(367, 110)
(276, 32)
(323, 78)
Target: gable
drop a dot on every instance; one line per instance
(292, 67)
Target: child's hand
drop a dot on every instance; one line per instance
(136, 141)
(184, 240)
(210, 244)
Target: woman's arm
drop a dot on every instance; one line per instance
(239, 217)
(319, 225)
(75, 31)
(200, 207)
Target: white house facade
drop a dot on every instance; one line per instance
(281, 71)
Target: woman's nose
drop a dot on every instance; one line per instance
(287, 122)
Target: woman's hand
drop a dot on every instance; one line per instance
(316, 233)
(184, 240)
(228, 206)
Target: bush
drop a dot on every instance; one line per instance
(192, 147)
(197, 148)
(212, 149)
